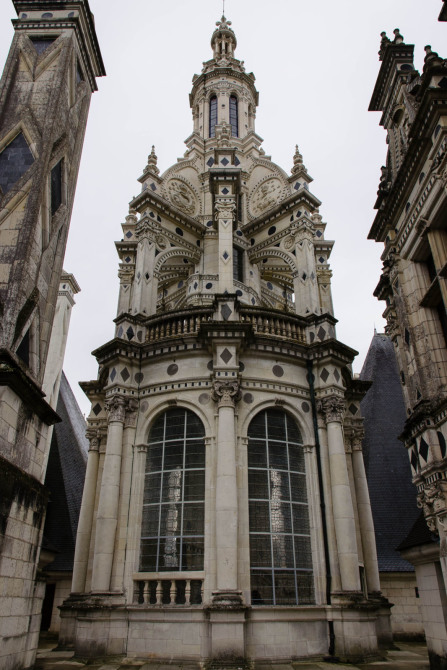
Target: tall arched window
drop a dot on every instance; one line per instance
(213, 116)
(280, 550)
(234, 120)
(174, 492)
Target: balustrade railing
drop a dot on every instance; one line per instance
(160, 590)
(277, 325)
(176, 324)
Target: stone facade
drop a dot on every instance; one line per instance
(45, 93)
(193, 544)
(411, 222)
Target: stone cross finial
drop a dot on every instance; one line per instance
(383, 44)
(398, 38)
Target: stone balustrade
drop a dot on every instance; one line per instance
(176, 324)
(265, 322)
(157, 589)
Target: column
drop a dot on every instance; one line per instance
(84, 532)
(305, 279)
(226, 394)
(107, 516)
(135, 514)
(365, 514)
(145, 283)
(333, 408)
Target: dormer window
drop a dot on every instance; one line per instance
(234, 120)
(213, 116)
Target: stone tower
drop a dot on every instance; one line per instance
(225, 509)
(45, 93)
(411, 223)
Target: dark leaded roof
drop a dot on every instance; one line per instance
(393, 496)
(65, 478)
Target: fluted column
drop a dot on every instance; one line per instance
(83, 536)
(333, 409)
(226, 394)
(107, 515)
(365, 514)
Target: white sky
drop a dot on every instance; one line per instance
(315, 64)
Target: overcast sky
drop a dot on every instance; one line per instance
(315, 64)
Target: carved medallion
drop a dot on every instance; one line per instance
(182, 196)
(265, 196)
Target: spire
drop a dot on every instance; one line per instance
(298, 164)
(152, 163)
(223, 41)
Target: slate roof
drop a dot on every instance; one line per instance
(65, 479)
(392, 494)
(419, 534)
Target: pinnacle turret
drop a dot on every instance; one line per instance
(223, 40)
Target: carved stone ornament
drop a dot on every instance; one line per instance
(182, 196)
(226, 393)
(92, 436)
(131, 413)
(265, 196)
(225, 210)
(333, 408)
(116, 408)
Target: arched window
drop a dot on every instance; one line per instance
(213, 116)
(174, 492)
(234, 120)
(280, 550)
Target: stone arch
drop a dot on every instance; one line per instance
(304, 423)
(174, 252)
(269, 252)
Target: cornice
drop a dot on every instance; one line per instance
(219, 72)
(147, 198)
(282, 208)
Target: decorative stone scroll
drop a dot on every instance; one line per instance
(122, 410)
(182, 196)
(333, 408)
(226, 393)
(225, 210)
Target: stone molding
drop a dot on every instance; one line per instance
(94, 439)
(226, 393)
(225, 210)
(333, 409)
(122, 410)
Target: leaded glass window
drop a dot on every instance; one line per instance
(234, 120)
(213, 116)
(280, 549)
(172, 534)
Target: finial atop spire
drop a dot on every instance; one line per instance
(431, 58)
(152, 163)
(223, 41)
(297, 160)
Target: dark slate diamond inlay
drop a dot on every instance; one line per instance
(337, 375)
(125, 374)
(324, 375)
(129, 234)
(353, 409)
(128, 259)
(210, 162)
(225, 255)
(96, 409)
(153, 187)
(130, 333)
(321, 259)
(226, 356)
(120, 331)
(237, 161)
(321, 333)
(423, 449)
(113, 374)
(225, 191)
(224, 161)
(442, 444)
(226, 312)
(209, 365)
(414, 460)
(297, 186)
(319, 233)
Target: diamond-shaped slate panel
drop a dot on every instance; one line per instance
(324, 375)
(225, 191)
(153, 187)
(125, 374)
(96, 409)
(129, 234)
(321, 333)
(321, 259)
(15, 159)
(210, 162)
(226, 312)
(423, 449)
(224, 161)
(442, 444)
(353, 408)
(237, 161)
(226, 356)
(113, 374)
(120, 331)
(225, 255)
(319, 233)
(297, 186)
(128, 259)
(130, 333)
(414, 460)
(337, 375)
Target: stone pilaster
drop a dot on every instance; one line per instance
(333, 408)
(225, 213)
(226, 394)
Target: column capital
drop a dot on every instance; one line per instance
(226, 393)
(225, 210)
(93, 437)
(333, 408)
(141, 448)
(131, 412)
(116, 408)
